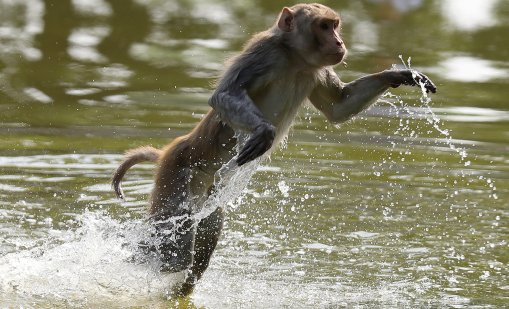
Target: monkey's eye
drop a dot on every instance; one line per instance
(324, 26)
(336, 24)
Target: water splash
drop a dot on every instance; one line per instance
(438, 125)
(93, 264)
(100, 262)
(231, 180)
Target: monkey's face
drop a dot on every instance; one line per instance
(313, 33)
(329, 45)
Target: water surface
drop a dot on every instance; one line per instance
(405, 206)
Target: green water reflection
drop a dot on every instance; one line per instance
(379, 212)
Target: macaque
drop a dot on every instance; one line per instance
(259, 93)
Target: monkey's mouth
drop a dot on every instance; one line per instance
(338, 56)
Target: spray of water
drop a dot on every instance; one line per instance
(94, 264)
(437, 124)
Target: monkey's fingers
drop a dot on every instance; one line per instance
(424, 80)
(260, 141)
(251, 151)
(246, 153)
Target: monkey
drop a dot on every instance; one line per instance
(258, 94)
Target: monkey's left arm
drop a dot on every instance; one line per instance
(339, 102)
(234, 106)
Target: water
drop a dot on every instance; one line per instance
(405, 206)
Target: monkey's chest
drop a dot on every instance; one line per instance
(281, 101)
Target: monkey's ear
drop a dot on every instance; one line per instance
(285, 22)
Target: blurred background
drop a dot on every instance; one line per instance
(405, 206)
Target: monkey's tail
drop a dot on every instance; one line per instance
(132, 157)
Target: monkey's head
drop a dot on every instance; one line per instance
(312, 30)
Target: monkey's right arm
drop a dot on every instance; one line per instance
(339, 101)
(235, 107)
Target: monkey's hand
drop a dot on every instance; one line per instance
(410, 78)
(259, 142)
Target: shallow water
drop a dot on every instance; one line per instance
(405, 206)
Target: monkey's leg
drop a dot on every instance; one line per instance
(174, 225)
(207, 236)
(175, 238)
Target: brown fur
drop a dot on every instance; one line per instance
(132, 157)
(201, 149)
(205, 143)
